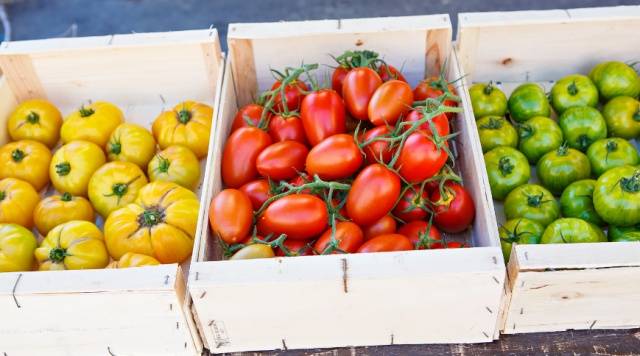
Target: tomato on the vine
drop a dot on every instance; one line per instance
(299, 216)
(240, 154)
(388, 242)
(231, 215)
(373, 194)
(388, 72)
(377, 150)
(385, 225)
(294, 93)
(323, 115)
(348, 236)
(251, 113)
(440, 122)
(338, 77)
(287, 128)
(282, 160)
(258, 192)
(389, 102)
(296, 248)
(358, 88)
(455, 210)
(412, 205)
(336, 157)
(434, 88)
(423, 236)
(420, 157)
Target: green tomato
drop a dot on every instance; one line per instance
(615, 79)
(521, 231)
(527, 101)
(532, 202)
(571, 230)
(622, 115)
(561, 167)
(538, 136)
(573, 90)
(507, 169)
(487, 100)
(621, 234)
(617, 196)
(577, 202)
(496, 131)
(581, 126)
(610, 153)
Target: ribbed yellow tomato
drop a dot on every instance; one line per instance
(188, 124)
(94, 123)
(72, 245)
(37, 120)
(17, 201)
(59, 209)
(27, 160)
(131, 143)
(175, 164)
(16, 248)
(115, 185)
(161, 223)
(130, 259)
(73, 165)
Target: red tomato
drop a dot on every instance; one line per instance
(386, 225)
(336, 157)
(420, 158)
(411, 206)
(455, 211)
(231, 215)
(358, 88)
(282, 160)
(240, 153)
(337, 78)
(258, 192)
(373, 194)
(389, 102)
(287, 129)
(251, 111)
(299, 216)
(417, 230)
(323, 115)
(293, 93)
(388, 242)
(388, 72)
(348, 234)
(441, 122)
(300, 180)
(377, 149)
(433, 87)
(296, 248)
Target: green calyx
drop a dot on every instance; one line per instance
(66, 196)
(151, 216)
(3, 195)
(612, 146)
(184, 116)
(488, 89)
(33, 118)
(163, 164)
(505, 165)
(115, 148)
(18, 155)
(535, 200)
(563, 150)
(525, 131)
(62, 169)
(119, 189)
(84, 112)
(572, 88)
(636, 116)
(631, 184)
(493, 124)
(57, 254)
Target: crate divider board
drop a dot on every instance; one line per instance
(557, 287)
(107, 311)
(346, 300)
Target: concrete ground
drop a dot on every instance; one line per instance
(32, 19)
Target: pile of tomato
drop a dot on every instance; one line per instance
(95, 167)
(363, 166)
(586, 156)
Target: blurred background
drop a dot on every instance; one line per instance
(34, 19)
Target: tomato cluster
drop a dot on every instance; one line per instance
(362, 166)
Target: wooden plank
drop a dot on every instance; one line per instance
(244, 70)
(580, 256)
(438, 50)
(21, 77)
(8, 103)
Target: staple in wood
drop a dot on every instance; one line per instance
(345, 280)
(284, 345)
(13, 292)
(489, 310)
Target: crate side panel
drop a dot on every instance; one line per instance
(586, 255)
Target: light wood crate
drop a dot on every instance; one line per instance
(434, 296)
(572, 286)
(136, 311)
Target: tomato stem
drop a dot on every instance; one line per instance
(525, 131)
(505, 165)
(57, 254)
(115, 148)
(488, 89)
(355, 59)
(184, 115)
(120, 189)
(631, 184)
(66, 196)
(572, 88)
(33, 118)
(18, 155)
(584, 141)
(563, 150)
(151, 216)
(63, 168)
(163, 164)
(493, 124)
(84, 112)
(3, 195)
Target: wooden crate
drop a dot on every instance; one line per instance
(436, 296)
(106, 312)
(558, 287)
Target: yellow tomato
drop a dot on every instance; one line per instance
(73, 165)
(188, 124)
(37, 120)
(94, 123)
(161, 223)
(72, 245)
(27, 160)
(130, 259)
(115, 185)
(17, 201)
(16, 248)
(131, 143)
(58, 209)
(175, 164)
